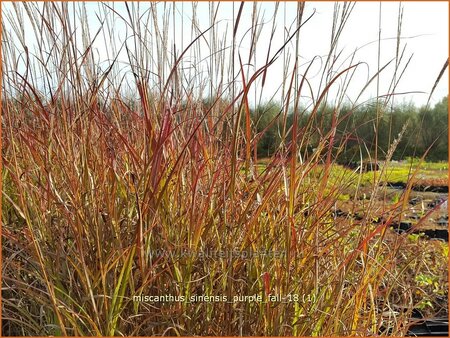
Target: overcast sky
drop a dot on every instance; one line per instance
(424, 32)
(424, 37)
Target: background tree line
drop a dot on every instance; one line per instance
(359, 129)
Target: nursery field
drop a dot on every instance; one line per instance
(136, 202)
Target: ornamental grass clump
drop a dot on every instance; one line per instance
(134, 201)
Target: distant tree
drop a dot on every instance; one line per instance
(434, 130)
(266, 126)
(394, 121)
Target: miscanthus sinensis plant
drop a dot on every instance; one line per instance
(135, 176)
